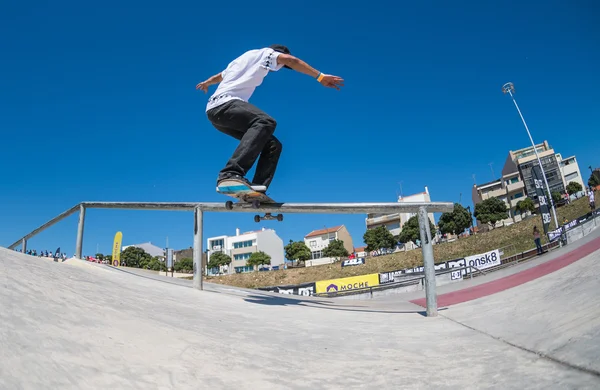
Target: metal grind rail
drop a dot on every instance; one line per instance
(198, 208)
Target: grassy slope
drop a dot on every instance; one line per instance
(519, 234)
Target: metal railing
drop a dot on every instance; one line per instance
(405, 282)
(421, 208)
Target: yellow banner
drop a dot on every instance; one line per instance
(347, 284)
(116, 253)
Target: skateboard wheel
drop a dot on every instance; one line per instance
(229, 205)
(257, 218)
(280, 217)
(255, 204)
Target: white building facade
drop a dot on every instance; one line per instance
(241, 246)
(395, 222)
(569, 169)
(318, 240)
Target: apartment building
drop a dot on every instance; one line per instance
(569, 169)
(516, 181)
(395, 222)
(241, 246)
(318, 240)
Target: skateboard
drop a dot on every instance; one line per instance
(246, 194)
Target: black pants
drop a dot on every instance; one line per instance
(254, 128)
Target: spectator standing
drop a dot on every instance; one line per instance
(538, 241)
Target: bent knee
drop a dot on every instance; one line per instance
(275, 145)
(269, 123)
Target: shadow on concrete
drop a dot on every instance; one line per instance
(284, 301)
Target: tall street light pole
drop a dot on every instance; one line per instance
(510, 88)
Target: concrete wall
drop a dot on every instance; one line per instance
(344, 236)
(269, 242)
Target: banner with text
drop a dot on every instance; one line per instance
(484, 260)
(541, 191)
(305, 289)
(347, 284)
(116, 252)
(350, 262)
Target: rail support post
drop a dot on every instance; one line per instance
(79, 243)
(23, 245)
(428, 262)
(198, 282)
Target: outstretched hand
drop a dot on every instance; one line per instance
(332, 81)
(203, 86)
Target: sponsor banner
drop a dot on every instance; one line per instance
(458, 263)
(421, 269)
(555, 234)
(347, 284)
(116, 253)
(541, 195)
(305, 289)
(390, 277)
(351, 262)
(484, 260)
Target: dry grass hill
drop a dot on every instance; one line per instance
(515, 238)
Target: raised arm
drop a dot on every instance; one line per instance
(216, 79)
(300, 66)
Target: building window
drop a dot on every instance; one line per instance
(518, 195)
(313, 243)
(242, 244)
(392, 226)
(247, 268)
(316, 254)
(241, 256)
(217, 245)
(571, 176)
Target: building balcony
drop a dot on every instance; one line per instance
(383, 219)
(515, 186)
(494, 194)
(513, 203)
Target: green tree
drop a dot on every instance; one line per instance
(99, 256)
(556, 197)
(156, 265)
(456, 221)
(297, 251)
(491, 211)
(525, 205)
(410, 230)
(594, 180)
(573, 188)
(184, 265)
(259, 258)
(335, 249)
(135, 257)
(218, 259)
(378, 239)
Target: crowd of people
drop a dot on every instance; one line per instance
(53, 255)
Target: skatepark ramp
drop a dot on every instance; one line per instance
(421, 208)
(82, 325)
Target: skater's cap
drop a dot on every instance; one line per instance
(281, 49)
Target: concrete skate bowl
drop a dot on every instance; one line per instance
(79, 325)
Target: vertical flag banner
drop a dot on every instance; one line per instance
(116, 253)
(538, 181)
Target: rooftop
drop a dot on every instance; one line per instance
(324, 231)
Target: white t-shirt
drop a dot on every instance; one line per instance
(243, 75)
(591, 195)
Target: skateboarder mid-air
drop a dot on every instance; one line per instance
(230, 112)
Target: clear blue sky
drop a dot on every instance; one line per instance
(98, 102)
